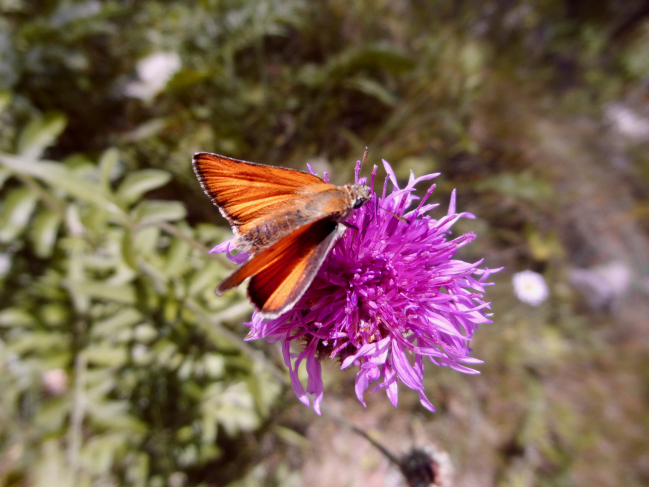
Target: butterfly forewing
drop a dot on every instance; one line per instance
(244, 190)
(282, 273)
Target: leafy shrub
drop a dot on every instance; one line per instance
(114, 292)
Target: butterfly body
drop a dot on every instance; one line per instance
(308, 205)
(286, 219)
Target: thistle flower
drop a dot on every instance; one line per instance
(388, 295)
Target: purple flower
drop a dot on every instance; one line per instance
(387, 296)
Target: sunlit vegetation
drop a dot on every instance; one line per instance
(118, 364)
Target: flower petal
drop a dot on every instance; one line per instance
(295, 380)
(391, 175)
(314, 383)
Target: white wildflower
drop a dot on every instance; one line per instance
(154, 72)
(627, 122)
(530, 287)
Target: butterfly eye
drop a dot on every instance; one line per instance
(359, 202)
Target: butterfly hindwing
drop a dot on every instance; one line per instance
(282, 273)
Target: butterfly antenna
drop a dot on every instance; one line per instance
(364, 158)
(398, 217)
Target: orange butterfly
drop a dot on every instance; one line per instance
(287, 219)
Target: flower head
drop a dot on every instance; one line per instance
(604, 285)
(55, 381)
(627, 122)
(388, 295)
(154, 72)
(530, 287)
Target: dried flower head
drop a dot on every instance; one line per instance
(429, 466)
(388, 295)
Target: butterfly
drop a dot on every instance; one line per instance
(288, 221)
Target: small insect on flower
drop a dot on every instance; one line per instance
(386, 294)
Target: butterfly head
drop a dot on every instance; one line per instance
(359, 194)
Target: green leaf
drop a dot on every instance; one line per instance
(52, 467)
(14, 317)
(388, 58)
(155, 211)
(5, 99)
(53, 414)
(263, 387)
(106, 355)
(204, 277)
(100, 290)
(177, 258)
(124, 318)
(146, 240)
(138, 183)
(351, 61)
(212, 365)
(45, 229)
(190, 77)
(375, 89)
(185, 370)
(290, 436)
(128, 251)
(39, 134)
(99, 451)
(137, 470)
(113, 416)
(75, 273)
(16, 212)
(157, 279)
(43, 343)
(171, 311)
(73, 220)
(55, 314)
(233, 407)
(523, 186)
(164, 351)
(64, 179)
(107, 164)
(210, 430)
(146, 130)
(208, 233)
(4, 175)
(544, 247)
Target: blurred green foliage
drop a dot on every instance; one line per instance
(118, 364)
(116, 291)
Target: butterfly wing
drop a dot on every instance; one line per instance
(282, 273)
(250, 195)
